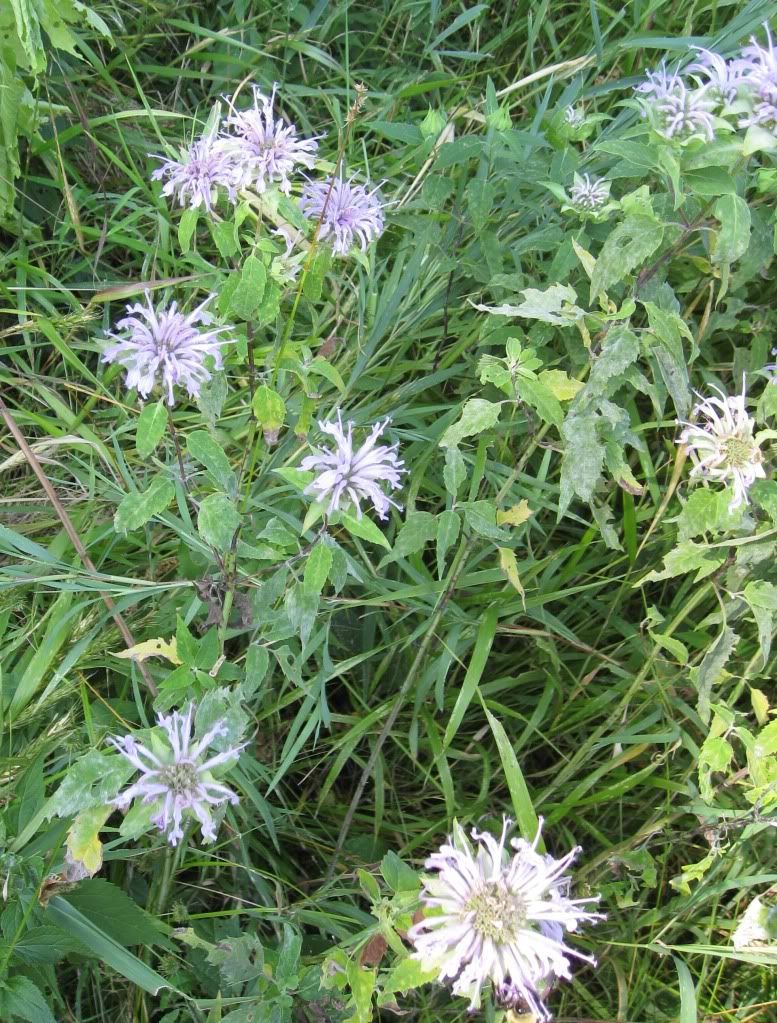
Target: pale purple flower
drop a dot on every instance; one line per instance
(202, 170)
(347, 212)
(175, 775)
(267, 148)
(589, 193)
(574, 116)
(498, 916)
(674, 110)
(346, 476)
(758, 71)
(168, 344)
(723, 76)
(722, 445)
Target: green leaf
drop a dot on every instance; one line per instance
(21, 998)
(477, 416)
(135, 510)
(247, 296)
(92, 780)
(43, 945)
(455, 471)
(554, 305)
(715, 755)
(687, 557)
(317, 566)
(626, 248)
(270, 411)
(114, 912)
(206, 450)
(104, 947)
(711, 669)
(475, 669)
(480, 516)
(707, 511)
(581, 466)
(150, 429)
(225, 236)
(362, 984)
(523, 807)
(364, 528)
(416, 531)
(764, 493)
(448, 527)
(407, 975)
(669, 329)
(733, 238)
(397, 874)
(761, 597)
(541, 398)
(187, 225)
(239, 959)
(217, 521)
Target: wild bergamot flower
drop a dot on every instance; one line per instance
(168, 344)
(176, 777)
(267, 148)
(493, 915)
(757, 69)
(722, 445)
(195, 179)
(589, 193)
(346, 476)
(723, 76)
(675, 110)
(347, 212)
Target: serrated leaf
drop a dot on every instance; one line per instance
(712, 667)
(364, 528)
(217, 520)
(43, 945)
(416, 531)
(94, 779)
(21, 999)
(626, 248)
(150, 428)
(407, 975)
(707, 511)
(687, 557)
(581, 466)
(247, 296)
(135, 510)
(477, 416)
(455, 471)
(448, 528)
(555, 305)
(270, 411)
(542, 399)
(317, 567)
(209, 452)
(619, 351)
(715, 755)
(480, 516)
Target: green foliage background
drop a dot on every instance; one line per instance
(603, 659)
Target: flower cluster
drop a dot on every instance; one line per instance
(166, 343)
(345, 476)
(722, 444)
(715, 92)
(492, 915)
(256, 149)
(175, 777)
(589, 194)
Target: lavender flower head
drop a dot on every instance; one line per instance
(196, 178)
(589, 193)
(168, 344)
(493, 915)
(176, 777)
(345, 476)
(346, 211)
(267, 148)
(723, 76)
(675, 110)
(574, 116)
(722, 445)
(758, 71)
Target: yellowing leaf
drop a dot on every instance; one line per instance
(585, 257)
(153, 648)
(562, 386)
(514, 516)
(84, 848)
(509, 565)
(760, 704)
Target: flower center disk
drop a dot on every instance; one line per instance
(498, 913)
(181, 778)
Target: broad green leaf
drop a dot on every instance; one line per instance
(187, 225)
(362, 984)
(555, 305)
(541, 398)
(270, 411)
(217, 521)
(416, 531)
(301, 607)
(715, 755)
(225, 236)
(21, 999)
(477, 416)
(209, 452)
(448, 528)
(397, 874)
(43, 945)
(581, 466)
(407, 975)
(707, 511)
(104, 947)
(733, 237)
(135, 510)
(113, 911)
(317, 566)
(364, 528)
(455, 471)
(761, 597)
(480, 516)
(712, 668)
(94, 779)
(620, 350)
(626, 248)
(247, 296)
(687, 557)
(150, 429)
(562, 386)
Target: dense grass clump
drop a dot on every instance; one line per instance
(387, 443)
